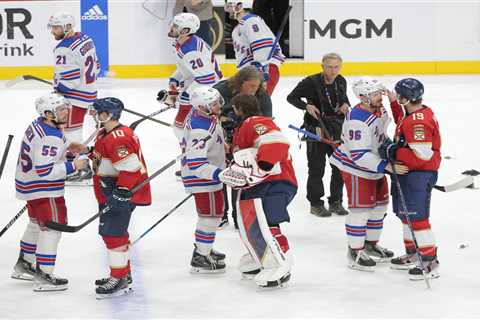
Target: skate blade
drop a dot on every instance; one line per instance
(361, 268)
(380, 260)
(404, 267)
(431, 275)
(47, 287)
(119, 293)
(22, 276)
(195, 270)
(82, 183)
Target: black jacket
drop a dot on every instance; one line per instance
(313, 90)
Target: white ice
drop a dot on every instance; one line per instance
(321, 286)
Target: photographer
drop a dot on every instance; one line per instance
(248, 80)
(326, 106)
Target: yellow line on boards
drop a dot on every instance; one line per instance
(287, 69)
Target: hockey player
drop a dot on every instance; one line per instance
(76, 70)
(417, 145)
(40, 180)
(263, 170)
(253, 43)
(202, 162)
(363, 172)
(196, 66)
(119, 166)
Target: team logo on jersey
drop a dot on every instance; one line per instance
(94, 13)
(260, 129)
(122, 151)
(419, 132)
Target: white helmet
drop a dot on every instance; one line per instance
(206, 97)
(61, 19)
(50, 102)
(366, 86)
(183, 21)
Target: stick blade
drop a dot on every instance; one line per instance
(61, 227)
(12, 82)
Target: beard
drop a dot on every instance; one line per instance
(59, 37)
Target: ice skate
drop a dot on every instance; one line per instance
(47, 282)
(272, 278)
(23, 270)
(358, 259)
(378, 253)
(103, 281)
(206, 264)
(404, 262)
(114, 287)
(416, 273)
(223, 224)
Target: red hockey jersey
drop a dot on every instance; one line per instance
(118, 154)
(422, 134)
(262, 133)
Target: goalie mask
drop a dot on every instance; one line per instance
(184, 24)
(207, 99)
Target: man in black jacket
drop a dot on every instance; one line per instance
(326, 106)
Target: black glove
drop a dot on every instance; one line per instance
(162, 95)
(119, 200)
(388, 150)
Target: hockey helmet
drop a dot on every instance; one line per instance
(366, 86)
(206, 97)
(51, 102)
(185, 23)
(61, 19)
(112, 106)
(410, 89)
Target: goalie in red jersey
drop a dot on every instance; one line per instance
(262, 169)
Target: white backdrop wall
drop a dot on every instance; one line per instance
(414, 31)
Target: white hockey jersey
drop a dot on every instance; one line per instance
(362, 133)
(196, 66)
(76, 69)
(253, 41)
(42, 168)
(203, 161)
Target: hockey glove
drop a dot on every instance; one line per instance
(263, 69)
(167, 97)
(119, 200)
(388, 150)
(233, 176)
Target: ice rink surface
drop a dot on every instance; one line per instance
(321, 286)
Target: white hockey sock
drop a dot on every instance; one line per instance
(205, 233)
(375, 223)
(356, 227)
(28, 243)
(118, 259)
(47, 249)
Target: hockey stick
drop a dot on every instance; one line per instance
(11, 83)
(163, 218)
(137, 122)
(5, 153)
(9, 224)
(466, 182)
(66, 228)
(279, 33)
(314, 136)
(409, 222)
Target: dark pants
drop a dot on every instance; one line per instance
(204, 31)
(317, 154)
(417, 189)
(233, 194)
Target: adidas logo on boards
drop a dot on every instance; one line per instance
(94, 13)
